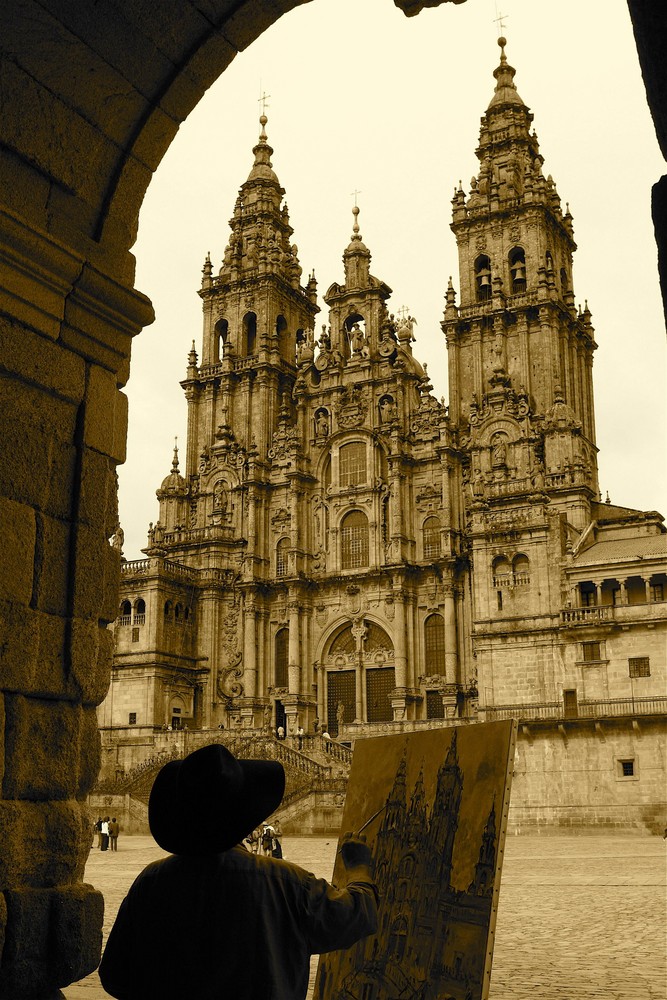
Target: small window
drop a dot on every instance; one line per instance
(352, 464)
(434, 644)
(354, 540)
(435, 708)
(656, 592)
(639, 666)
(431, 538)
(590, 652)
(282, 557)
(135, 634)
(499, 598)
(281, 660)
(132, 719)
(626, 768)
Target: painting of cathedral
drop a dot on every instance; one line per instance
(432, 807)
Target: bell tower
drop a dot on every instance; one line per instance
(255, 315)
(520, 352)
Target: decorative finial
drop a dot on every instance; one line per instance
(262, 99)
(174, 462)
(355, 213)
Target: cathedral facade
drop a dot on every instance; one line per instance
(343, 551)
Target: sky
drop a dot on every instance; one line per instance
(363, 99)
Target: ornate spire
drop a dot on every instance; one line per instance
(357, 256)
(506, 92)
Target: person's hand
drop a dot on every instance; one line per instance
(355, 852)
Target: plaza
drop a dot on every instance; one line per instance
(581, 917)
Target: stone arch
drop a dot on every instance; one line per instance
(77, 180)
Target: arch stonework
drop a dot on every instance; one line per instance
(92, 96)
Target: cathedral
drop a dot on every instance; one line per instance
(343, 551)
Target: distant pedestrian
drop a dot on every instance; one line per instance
(277, 851)
(104, 843)
(326, 740)
(280, 732)
(98, 830)
(299, 737)
(267, 841)
(114, 830)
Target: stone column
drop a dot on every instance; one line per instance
(294, 659)
(451, 644)
(399, 640)
(249, 652)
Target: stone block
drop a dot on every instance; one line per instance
(91, 553)
(38, 360)
(42, 747)
(53, 937)
(19, 645)
(42, 844)
(91, 649)
(19, 536)
(49, 680)
(103, 407)
(25, 970)
(50, 590)
(54, 136)
(90, 752)
(98, 504)
(35, 426)
(78, 912)
(245, 25)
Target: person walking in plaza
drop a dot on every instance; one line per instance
(267, 840)
(114, 830)
(242, 925)
(104, 840)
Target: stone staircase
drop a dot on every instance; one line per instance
(316, 776)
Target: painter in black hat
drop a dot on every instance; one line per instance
(214, 920)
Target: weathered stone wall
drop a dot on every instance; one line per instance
(571, 777)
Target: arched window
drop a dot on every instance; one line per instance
(282, 652)
(168, 611)
(139, 611)
(220, 340)
(282, 557)
(178, 614)
(549, 261)
(431, 538)
(398, 937)
(483, 278)
(125, 613)
(354, 540)
(564, 283)
(517, 262)
(434, 644)
(502, 572)
(407, 866)
(352, 464)
(521, 567)
(250, 332)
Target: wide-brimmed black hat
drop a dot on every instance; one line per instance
(209, 801)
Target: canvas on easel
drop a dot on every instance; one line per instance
(433, 808)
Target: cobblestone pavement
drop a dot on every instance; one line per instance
(580, 917)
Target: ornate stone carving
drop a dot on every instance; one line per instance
(351, 407)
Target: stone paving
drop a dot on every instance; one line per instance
(580, 917)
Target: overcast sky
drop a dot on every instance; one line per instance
(363, 98)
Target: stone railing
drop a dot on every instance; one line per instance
(135, 567)
(587, 616)
(555, 710)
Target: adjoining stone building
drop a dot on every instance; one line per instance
(345, 551)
